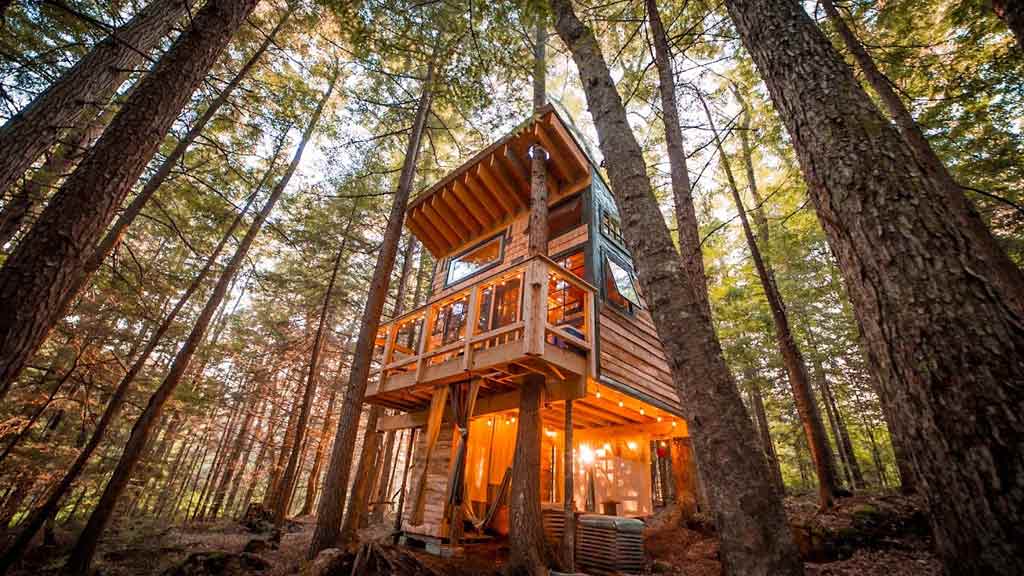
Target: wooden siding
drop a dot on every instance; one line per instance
(437, 485)
(514, 253)
(631, 354)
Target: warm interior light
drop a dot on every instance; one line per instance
(607, 447)
(641, 411)
(620, 403)
(659, 418)
(662, 443)
(514, 421)
(549, 433)
(631, 445)
(673, 423)
(586, 454)
(600, 452)
(490, 423)
(597, 394)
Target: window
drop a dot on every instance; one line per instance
(474, 260)
(619, 286)
(499, 305)
(449, 323)
(610, 226)
(565, 216)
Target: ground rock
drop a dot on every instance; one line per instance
(258, 518)
(326, 563)
(218, 563)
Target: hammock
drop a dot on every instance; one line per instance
(499, 498)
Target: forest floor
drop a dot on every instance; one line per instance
(866, 535)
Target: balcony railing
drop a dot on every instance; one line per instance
(536, 310)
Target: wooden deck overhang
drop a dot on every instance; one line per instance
(494, 185)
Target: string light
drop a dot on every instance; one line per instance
(659, 418)
(598, 393)
(673, 423)
(620, 403)
(514, 421)
(631, 445)
(641, 411)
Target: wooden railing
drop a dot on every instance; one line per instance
(536, 308)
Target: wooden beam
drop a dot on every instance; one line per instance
(557, 159)
(561, 134)
(474, 211)
(426, 239)
(455, 222)
(518, 188)
(424, 221)
(440, 225)
(477, 192)
(508, 201)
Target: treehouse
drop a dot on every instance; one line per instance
(452, 368)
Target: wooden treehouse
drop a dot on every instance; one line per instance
(495, 315)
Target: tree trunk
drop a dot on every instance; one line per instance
(529, 552)
(796, 367)
(567, 547)
(682, 195)
(944, 336)
(57, 165)
(87, 86)
(17, 547)
(537, 242)
(36, 280)
(321, 447)
(400, 509)
(1012, 12)
(358, 499)
(761, 417)
(330, 510)
(1002, 271)
(85, 548)
(754, 539)
(287, 484)
(262, 457)
(234, 456)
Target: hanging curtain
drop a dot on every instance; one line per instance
(433, 431)
(463, 401)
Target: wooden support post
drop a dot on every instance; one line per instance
(568, 548)
(472, 315)
(405, 481)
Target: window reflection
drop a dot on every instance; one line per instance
(475, 260)
(619, 286)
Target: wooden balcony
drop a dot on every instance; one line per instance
(533, 317)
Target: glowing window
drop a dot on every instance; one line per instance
(619, 286)
(474, 260)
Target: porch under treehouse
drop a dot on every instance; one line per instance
(496, 315)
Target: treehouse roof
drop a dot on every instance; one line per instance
(493, 186)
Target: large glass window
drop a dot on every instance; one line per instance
(619, 285)
(499, 305)
(474, 260)
(449, 323)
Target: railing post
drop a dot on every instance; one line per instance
(428, 327)
(471, 321)
(589, 323)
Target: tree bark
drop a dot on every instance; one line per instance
(58, 164)
(752, 525)
(88, 85)
(537, 242)
(318, 460)
(330, 510)
(944, 335)
(1002, 271)
(529, 552)
(85, 548)
(1011, 12)
(567, 552)
(37, 278)
(234, 456)
(359, 498)
(761, 417)
(792, 358)
(17, 548)
(287, 484)
(682, 195)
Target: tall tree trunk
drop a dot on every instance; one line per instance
(761, 418)
(236, 482)
(529, 552)
(234, 456)
(321, 448)
(1002, 271)
(943, 333)
(682, 194)
(87, 86)
(754, 539)
(113, 236)
(17, 547)
(1011, 12)
(263, 456)
(359, 497)
(331, 508)
(85, 548)
(792, 358)
(287, 484)
(39, 275)
(58, 164)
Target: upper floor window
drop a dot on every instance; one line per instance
(611, 227)
(565, 216)
(620, 286)
(475, 260)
